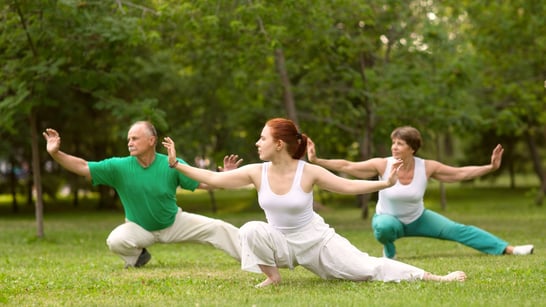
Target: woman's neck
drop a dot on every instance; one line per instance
(408, 163)
(283, 164)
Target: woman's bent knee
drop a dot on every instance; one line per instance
(386, 228)
(250, 229)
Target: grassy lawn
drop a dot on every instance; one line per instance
(73, 267)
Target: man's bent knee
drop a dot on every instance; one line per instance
(116, 243)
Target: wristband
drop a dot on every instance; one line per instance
(174, 164)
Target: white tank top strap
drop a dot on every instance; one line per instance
(299, 173)
(265, 183)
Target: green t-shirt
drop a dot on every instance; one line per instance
(148, 194)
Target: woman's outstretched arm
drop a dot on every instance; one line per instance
(232, 179)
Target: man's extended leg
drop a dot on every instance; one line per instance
(198, 228)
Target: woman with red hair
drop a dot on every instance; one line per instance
(294, 234)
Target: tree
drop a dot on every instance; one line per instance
(508, 40)
(82, 55)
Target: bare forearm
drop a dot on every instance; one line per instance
(370, 186)
(201, 175)
(332, 164)
(355, 187)
(461, 173)
(71, 163)
(210, 179)
(355, 169)
(471, 172)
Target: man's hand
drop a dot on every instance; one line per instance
(71, 163)
(53, 140)
(231, 162)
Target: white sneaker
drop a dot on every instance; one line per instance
(523, 249)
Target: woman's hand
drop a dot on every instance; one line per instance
(171, 150)
(496, 157)
(393, 176)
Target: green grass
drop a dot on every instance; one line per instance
(72, 266)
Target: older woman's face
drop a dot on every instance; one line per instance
(400, 149)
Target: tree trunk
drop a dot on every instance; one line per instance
(288, 96)
(443, 197)
(366, 142)
(107, 198)
(512, 174)
(537, 167)
(213, 201)
(29, 190)
(75, 199)
(13, 186)
(365, 152)
(540, 195)
(37, 178)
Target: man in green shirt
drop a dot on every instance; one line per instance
(147, 187)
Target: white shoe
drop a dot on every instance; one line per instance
(523, 249)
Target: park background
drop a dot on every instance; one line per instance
(468, 74)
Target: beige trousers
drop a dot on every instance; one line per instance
(128, 240)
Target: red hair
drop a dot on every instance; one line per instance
(285, 130)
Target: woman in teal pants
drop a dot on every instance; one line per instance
(400, 211)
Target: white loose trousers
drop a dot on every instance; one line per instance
(319, 249)
(128, 239)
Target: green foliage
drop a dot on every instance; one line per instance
(505, 37)
(206, 73)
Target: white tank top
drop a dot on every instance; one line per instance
(404, 201)
(288, 211)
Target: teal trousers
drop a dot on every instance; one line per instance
(388, 229)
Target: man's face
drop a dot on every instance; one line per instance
(140, 140)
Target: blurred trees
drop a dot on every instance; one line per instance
(209, 74)
(508, 41)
